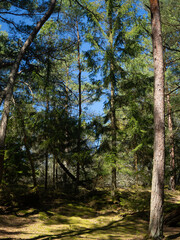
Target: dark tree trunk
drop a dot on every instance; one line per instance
(46, 171)
(54, 172)
(112, 108)
(80, 107)
(65, 161)
(157, 192)
(113, 134)
(27, 147)
(12, 78)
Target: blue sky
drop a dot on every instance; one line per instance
(96, 107)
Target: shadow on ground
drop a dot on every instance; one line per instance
(94, 217)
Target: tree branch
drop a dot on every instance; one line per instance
(171, 49)
(172, 91)
(86, 8)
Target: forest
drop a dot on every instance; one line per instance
(89, 119)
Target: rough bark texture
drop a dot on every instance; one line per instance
(157, 192)
(12, 78)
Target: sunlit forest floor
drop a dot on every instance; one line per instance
(90, 215)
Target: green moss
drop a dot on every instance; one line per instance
(96, 217)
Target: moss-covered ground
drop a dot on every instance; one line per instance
(91, 215)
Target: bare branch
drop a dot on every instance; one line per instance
(10, 22)
(172, 90)
(171, 49)
(30, 89)
(86, 8)
(178, 110)
(21, 14)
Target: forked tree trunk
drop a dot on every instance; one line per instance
(157, 192)
(12, 78)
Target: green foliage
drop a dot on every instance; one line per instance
(115, 49)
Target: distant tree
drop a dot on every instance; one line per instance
(170, 34)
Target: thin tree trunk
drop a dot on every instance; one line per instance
(66, 170)
(46, 171)
(67, 90)
(30, 160)
(54, 172)
(12, 78)
(28, 152)
(65, 162)
(113, 133)
(80, 107)
(56, 177)
(157, 192)
(136, 166)
(172, 182)
(46, 117)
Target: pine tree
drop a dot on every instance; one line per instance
(11, 83)
(157, 192)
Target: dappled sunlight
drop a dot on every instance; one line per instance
(77, 220)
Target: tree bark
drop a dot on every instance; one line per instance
(172, 181)
(66, 170)
(113, 134)
(54, 172)
(80, 107)
(65, 161)
(47, 118)
(112, 108)
(26, 144)
(12, 78)
(157, 192)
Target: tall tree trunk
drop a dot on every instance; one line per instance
(11, 83)
(113, 134)
(80, 107)
(112, 108)
(172, 182)
(157, 192)
(65, 161)
(46, 117)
